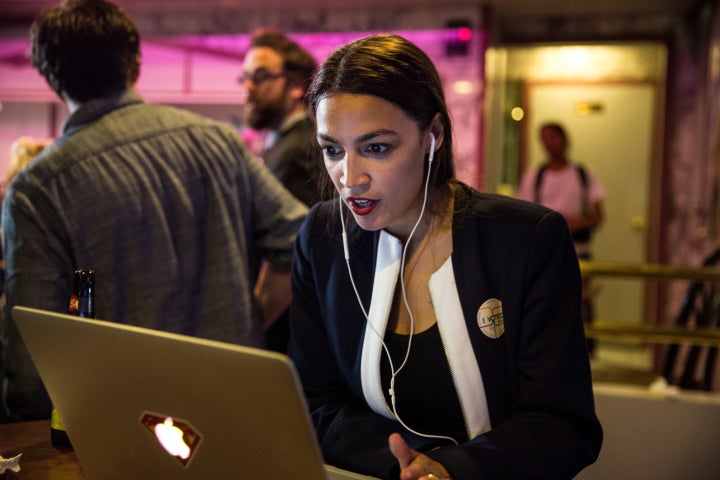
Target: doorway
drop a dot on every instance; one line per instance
(608, 98)
(613, 142)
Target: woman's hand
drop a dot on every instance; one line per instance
(414, 465)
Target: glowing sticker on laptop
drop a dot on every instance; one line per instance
(177, 437)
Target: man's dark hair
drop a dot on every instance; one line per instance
(85, 49)
(299, 66)
(557, 128)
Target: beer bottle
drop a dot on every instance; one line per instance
(82, 304)
(86, 295)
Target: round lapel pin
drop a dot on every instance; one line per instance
(490, 318)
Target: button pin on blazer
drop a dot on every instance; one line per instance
(490, 318)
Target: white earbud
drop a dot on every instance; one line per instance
(432, 147)
(344, 232)
(346, 250)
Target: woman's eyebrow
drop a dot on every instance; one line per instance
(362, 138)
(376, 133)
(327, 138)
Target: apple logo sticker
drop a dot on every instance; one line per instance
(177, 437)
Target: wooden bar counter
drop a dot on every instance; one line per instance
(40, 459)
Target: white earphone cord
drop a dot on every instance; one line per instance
(405, 300)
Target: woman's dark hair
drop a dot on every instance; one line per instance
(392, 68)
(85, 49)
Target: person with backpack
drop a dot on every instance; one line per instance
(570, 189)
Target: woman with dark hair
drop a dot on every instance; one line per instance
(436, 329)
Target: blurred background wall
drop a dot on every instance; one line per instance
(636, 83)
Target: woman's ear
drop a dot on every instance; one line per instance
(438, 130)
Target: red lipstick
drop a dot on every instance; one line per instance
(362, 206)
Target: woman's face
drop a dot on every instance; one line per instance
(374, 154)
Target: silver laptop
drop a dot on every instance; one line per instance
(140, 403)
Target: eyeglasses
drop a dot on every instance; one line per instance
(259, 76)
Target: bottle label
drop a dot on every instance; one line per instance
(73, 305)
(56, 422)
(85, 307)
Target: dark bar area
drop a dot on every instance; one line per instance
(258, 207)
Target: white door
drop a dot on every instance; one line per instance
(610, 131)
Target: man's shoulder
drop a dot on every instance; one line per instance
(169, 115)
(144, 121)
(138, 124)
(300, 134)
(298, 147)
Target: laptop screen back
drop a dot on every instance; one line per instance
(141, 403)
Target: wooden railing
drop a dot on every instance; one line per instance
(652, 333)
(648, 270)
(655, 334)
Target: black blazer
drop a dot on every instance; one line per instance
(296, 160)
(536, 375)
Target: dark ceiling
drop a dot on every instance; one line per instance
(206, 15)
(20, 9)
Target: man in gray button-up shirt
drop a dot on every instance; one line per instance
(170, 209)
